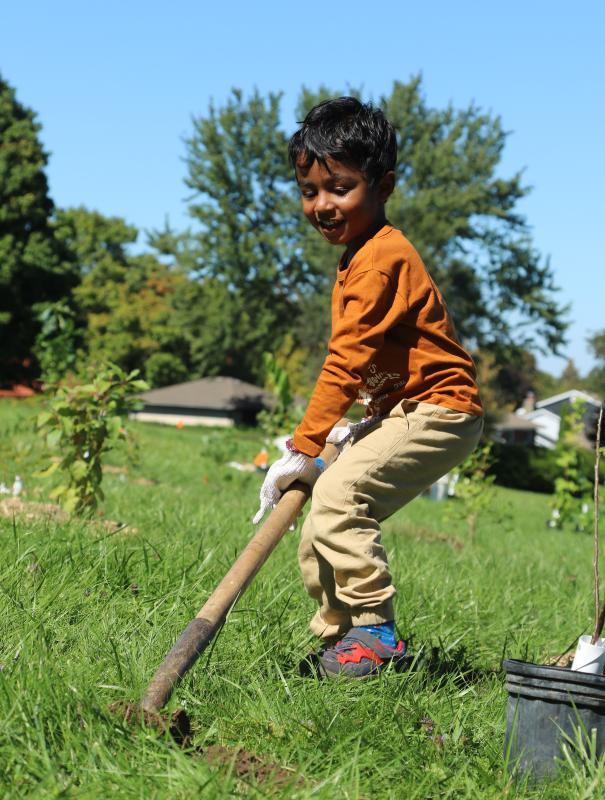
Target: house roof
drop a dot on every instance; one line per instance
(515, 422)
(570, 394)
(539, 413)
(218, 393)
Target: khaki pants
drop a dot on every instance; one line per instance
(343, 562)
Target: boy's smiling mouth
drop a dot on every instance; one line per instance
(330, 225)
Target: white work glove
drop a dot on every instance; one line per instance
(338, 434)
(293, 466)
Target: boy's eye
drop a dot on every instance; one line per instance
(340, 190)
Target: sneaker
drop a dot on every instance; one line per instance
(357, 655)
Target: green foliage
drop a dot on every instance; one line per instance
(33, 267)
(573, 489)
(474, 491)
(163, 369)
(212, 323)
(284, 415)
(533, 469)
(82, 423)
(55, 346)
(570, 378)
(124, 302)
(513, 379)
(246, 207)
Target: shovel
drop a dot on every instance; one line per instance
(201, 630)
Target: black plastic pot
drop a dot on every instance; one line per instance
(547, 707)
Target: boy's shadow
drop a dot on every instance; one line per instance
(442, 663)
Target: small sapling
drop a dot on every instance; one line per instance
(82, 423)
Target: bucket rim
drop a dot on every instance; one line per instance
(550, 672)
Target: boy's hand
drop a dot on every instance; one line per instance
(293, 466)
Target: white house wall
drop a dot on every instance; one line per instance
(547, 427)
(182, 419)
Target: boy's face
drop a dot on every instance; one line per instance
(340, 203)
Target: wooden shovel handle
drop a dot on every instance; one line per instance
(200, 631)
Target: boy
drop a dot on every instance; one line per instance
(393, 345)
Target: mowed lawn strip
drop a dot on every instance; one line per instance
(88, 613)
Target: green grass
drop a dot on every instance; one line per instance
(87, 616)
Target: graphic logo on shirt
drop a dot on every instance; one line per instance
(375, 380)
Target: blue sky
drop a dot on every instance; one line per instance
(115, 85)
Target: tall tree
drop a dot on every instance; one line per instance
(248, 240)
(463, 217)
(124, 302)
(570, 378)
(33, 268)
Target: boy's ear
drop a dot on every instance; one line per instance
(386, 186)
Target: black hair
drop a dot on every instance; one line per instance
(346, 130)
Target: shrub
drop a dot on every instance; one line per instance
(533, 469)
(82, 423)
(284, 415)
(572, 487)
(162, 369)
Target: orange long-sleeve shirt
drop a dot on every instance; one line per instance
(392, 338)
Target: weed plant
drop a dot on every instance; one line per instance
(88, 613)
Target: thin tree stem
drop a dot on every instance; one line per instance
(599, 612)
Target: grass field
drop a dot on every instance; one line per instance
(88, 614)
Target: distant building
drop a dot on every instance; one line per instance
(546, 416)
(208, 401)
(515, 429)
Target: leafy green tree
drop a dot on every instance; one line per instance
(514, 379)
(463, 217)
(125, 302)
(248, 240)
(33, 268)
(569, 378)
(213, 321)
(99, 244)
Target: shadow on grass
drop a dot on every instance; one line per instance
(452, 664)
(436, 663)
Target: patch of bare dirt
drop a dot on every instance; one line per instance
(145, 482)
(28, 509)
(564, 660)
(15, 507)
(245, 765)
(110, 469)
(249, 766)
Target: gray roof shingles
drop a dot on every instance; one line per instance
(218, 393)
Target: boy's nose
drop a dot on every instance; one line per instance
(323, 203)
